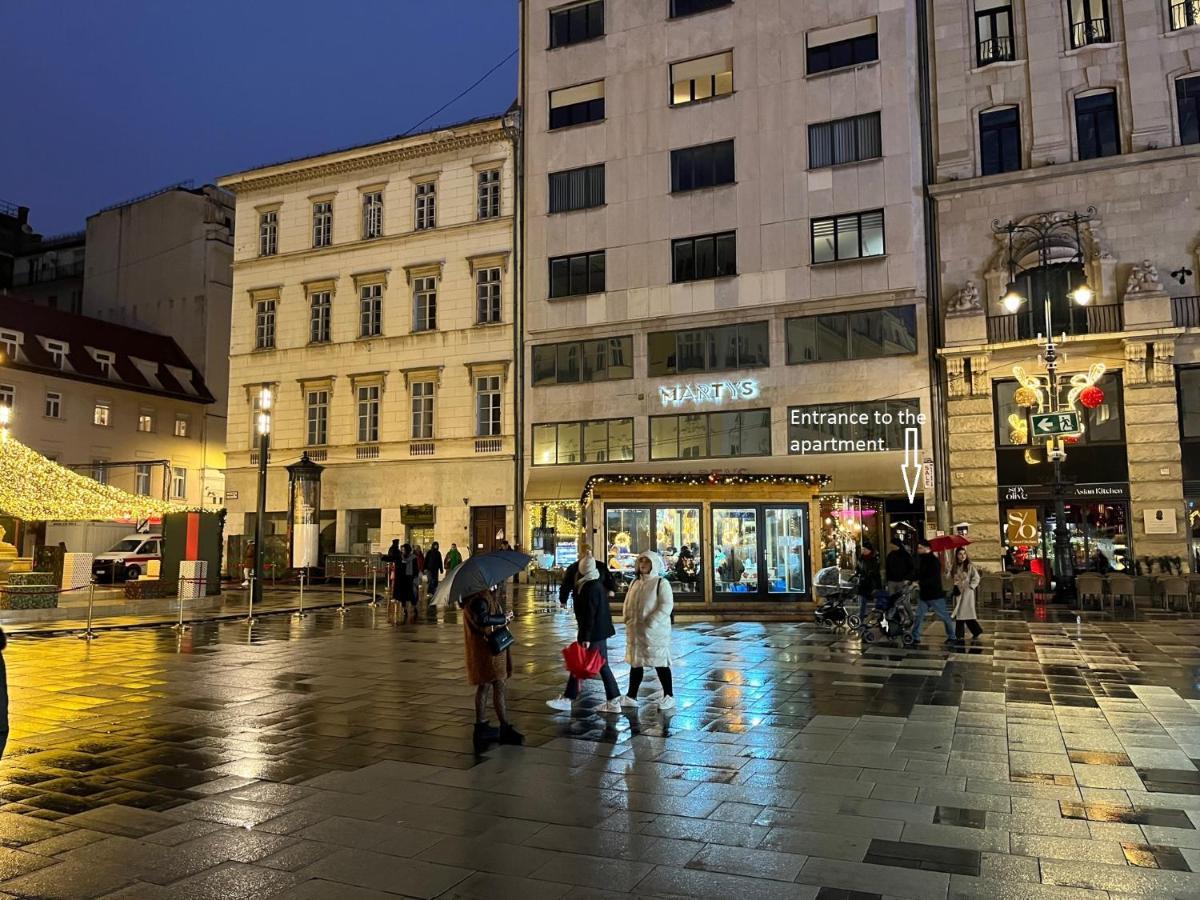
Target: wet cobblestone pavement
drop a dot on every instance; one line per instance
(331, 758)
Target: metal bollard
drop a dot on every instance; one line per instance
(249, 620)
(90, 635)
(374, 577)
(300, 614)
(179, 626)
(342, 608)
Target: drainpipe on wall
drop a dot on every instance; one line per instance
(515, 135)
(933, 280)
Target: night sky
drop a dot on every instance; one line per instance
(109, 99)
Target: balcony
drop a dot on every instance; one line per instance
(317, 455)
(421, 448)
(489, 445)
(997, 49)
(48, 273)
(1185, 14)
(1185, 312)
(368, 451)
(1090, 31)
(1026, 326)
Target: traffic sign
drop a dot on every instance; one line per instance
(1050, 424)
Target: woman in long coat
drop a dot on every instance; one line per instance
(648, 606)
(966, 581)
(484, 613)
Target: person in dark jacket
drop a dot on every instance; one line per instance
(933, 592)
(434, 567)
(571, 577)
(483, 613)
(404, 575)
(867, 577)
(898, 568)
(595, 627)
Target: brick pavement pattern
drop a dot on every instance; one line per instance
(331, 757)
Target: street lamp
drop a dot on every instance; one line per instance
(265, 399)
(1045, 234)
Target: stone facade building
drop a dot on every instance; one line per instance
(374, 295)
(723, 235)
(1044, 110)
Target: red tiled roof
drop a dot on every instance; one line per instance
(83, 332)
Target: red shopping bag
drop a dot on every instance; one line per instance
(582, 663)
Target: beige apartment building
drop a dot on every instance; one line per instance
(1067, 152)
(725, 286)
(123, 405)
(374, 296)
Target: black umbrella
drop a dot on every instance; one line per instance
(480, 573)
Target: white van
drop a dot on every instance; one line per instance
(128, 558)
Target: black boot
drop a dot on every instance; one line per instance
(510, 735)
(485, 733)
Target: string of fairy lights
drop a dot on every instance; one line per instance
(711, 479)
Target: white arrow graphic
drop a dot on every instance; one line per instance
(911, 467)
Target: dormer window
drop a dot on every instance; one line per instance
(10, 342)
(106, 360)
(58, 351)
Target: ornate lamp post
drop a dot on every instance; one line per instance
(265, 400)
(1046, 234)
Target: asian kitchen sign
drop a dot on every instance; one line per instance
(715, 392)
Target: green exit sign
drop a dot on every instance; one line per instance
(1051, 424)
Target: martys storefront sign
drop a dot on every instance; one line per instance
(708, 392)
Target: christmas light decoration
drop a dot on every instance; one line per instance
(1091, 396)
(708, 480)
(1025, 396)
(36, 489)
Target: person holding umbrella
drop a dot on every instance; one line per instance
(933, 592)
(595, 627)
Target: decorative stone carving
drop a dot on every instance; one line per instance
(1164, 362)
(1135, 363)
(965, 302)
(981, 384)
(1143, 279)
(956, 384)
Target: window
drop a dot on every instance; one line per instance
(1089, 22)
(842, 46)
(844, 141)
(1096, 125)
(690, 7)
(264, 325)
(255, 412)
(141, 477)
(53, 408)
(101, 414)
(322, 212)
(10, 342)
(1102, 425)
(372, 224)
(577, 105)
(858, 335)
(576, 24)
(577, 188)
(573, 276)
(368, 414)
(850, 427)
(717, 349)
(705, 166)
(320, 313)
(426, 211)
(594, 441)
(489, 194)
(100, 471)
(422, 410)
(425, 303)
(702, 79)
(720, 434)
(1187, 97)
(604, 359)
(268, 233)
(370, 310)
(106, 361)
(706, 256)
(316, 405)
(8, 396)
(58, 351)
(146, 421)
(851, 236)
(999, 141)
(993, 32)
(183, 424)
(487, 406)
(487, 295)
(178, 483)
(1184, 13)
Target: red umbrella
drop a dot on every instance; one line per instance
(944, 542)
(582, 663)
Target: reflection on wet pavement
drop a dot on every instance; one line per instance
(302, 757)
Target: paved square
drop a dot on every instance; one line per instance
(330, 757)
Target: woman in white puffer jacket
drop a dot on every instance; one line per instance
(648, 606)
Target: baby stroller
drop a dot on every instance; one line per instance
(891, 619)
(832, 594)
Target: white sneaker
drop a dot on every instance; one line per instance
(560, 702)
(627, 702)
(612, 706)
(655, 696)
(667, 702)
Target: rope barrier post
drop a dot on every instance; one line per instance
(179, 626)
(300, 614)
(250, 610)
(342, 570)
(89, 635)
(374, 578)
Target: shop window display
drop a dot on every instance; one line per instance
(677, 532)
(785, 550)
(1099, 537)
(628, 534)
(735, 550)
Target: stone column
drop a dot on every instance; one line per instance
(973, 474)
